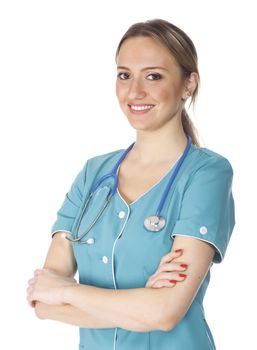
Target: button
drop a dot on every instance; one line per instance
(105, 259)
(122, 214)
(203, 230)
(90, 241)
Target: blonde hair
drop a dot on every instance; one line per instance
(183, 50)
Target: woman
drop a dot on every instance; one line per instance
(133, 291)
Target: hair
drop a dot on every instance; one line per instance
(183, 50)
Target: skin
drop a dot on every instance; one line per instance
(159, 138)
(51, 285)
(159, 133)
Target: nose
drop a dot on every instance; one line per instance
(136, 90)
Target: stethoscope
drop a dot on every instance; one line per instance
(153, 223)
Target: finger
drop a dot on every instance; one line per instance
(29, 298)
(164, 283)
(171, 276)
(29, 289)
(38, 272)
(179, 277)
(32, 281)
(171, 255)
(31, 303)
(172, 266)
(149, 283)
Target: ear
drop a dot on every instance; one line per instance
(190, 85)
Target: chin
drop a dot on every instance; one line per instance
(142, 127)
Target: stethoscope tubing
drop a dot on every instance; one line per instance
(77, 239)
(113, 190)
(172, 178)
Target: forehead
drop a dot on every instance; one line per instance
(145, 51)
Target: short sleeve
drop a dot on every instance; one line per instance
(207, 208)
(71, 205)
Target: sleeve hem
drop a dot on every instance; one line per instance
(218, 256)
(54, 232)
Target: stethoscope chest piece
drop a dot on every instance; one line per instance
(154, 223)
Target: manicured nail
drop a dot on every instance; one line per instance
(178, 250)
(173, 281)
(184, 265)
(182, 275)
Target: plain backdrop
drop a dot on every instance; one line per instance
(58, 108)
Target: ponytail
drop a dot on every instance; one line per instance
(189, 127)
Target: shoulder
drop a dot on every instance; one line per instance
(204, 166)
(97, 166)
(105, 159)
(203, 159)
(100, 164)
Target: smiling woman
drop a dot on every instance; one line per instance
(142, 285)
(150, 85)
(163, 62)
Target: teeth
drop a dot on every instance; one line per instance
(141, 108)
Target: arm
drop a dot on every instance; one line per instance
(140, 309)
(60, 259)
(208, 198)
(167, 275)
(71, 315)
(145, 309)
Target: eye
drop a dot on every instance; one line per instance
(123, 76)
(154, 76)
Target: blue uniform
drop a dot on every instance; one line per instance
(123, 254)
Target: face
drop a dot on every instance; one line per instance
(149, 83)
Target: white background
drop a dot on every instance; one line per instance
(58, 108)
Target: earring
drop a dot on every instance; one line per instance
(186, 97)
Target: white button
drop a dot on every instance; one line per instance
(203, 230)
(122, 214)
(90, 241)
(105, 259)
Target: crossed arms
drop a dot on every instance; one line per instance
(159, 306)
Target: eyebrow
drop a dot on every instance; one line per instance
(146, 68)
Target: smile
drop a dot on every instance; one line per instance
(140, 107)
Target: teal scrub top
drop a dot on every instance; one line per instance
(122, 254)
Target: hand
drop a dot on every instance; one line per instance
(168, 272)
(47, 286)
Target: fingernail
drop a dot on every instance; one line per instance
(182, 275)
(173, 281)
(184, 265)
(178, 250)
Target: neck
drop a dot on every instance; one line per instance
(162, 145)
